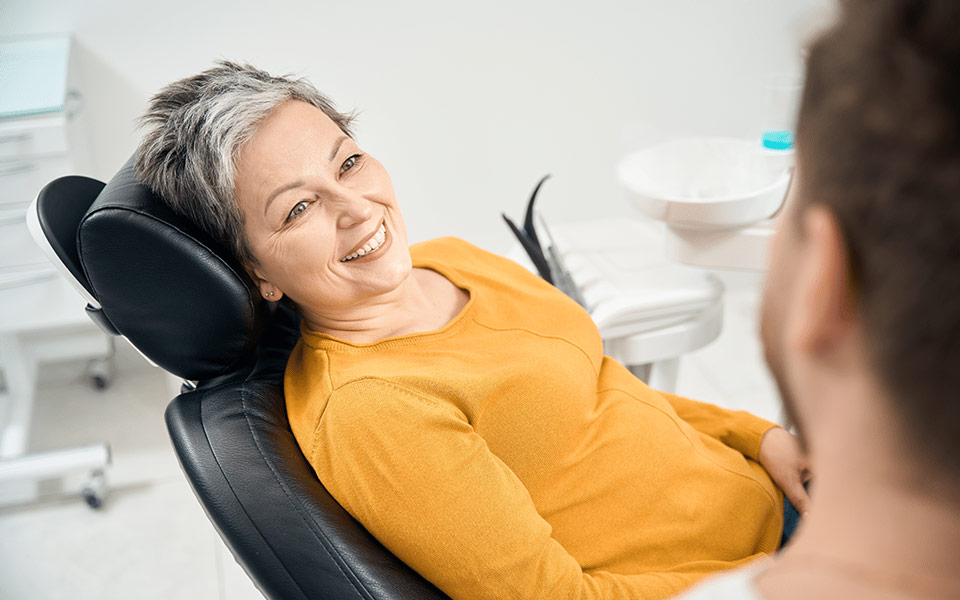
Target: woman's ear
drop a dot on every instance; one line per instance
(267, 290)
(270, 292)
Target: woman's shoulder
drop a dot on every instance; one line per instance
(450, 249)
(464, 257)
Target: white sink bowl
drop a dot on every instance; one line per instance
(705, 183)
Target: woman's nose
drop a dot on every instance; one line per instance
(353, 210)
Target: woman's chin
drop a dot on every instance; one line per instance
(396, 268)
(386, 269)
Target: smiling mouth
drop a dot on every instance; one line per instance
(374, 243)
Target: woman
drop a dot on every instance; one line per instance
(457, 406)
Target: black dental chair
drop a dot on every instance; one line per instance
(154, 278)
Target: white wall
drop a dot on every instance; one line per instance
(467, 104)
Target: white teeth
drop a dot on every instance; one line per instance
(372, 244)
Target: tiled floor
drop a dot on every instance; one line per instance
(152, 540)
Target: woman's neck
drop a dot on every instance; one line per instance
(425, 301)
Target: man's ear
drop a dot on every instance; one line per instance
(267, 289)
(821, 309)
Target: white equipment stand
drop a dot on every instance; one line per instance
(711, 222)
(718, 198)
(649, 311)
(44, 321)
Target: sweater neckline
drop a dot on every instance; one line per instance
(323, 341)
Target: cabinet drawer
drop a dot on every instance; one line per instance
(33, 136)
(17, 248)
(22, 179)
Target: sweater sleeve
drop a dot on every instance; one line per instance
(415, 474)
(738, 429)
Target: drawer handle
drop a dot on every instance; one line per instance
(16, 137)
(73, 104)
(18, 168)
(9, 218)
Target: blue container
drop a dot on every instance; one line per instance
(778, 140)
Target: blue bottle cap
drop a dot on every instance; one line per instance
(778, 140)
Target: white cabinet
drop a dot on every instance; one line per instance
(41, 316)
(41, 138)
(21, 178)
(25, 138)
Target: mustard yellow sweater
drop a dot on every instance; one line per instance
(504, 456)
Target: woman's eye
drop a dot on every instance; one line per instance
(298, 208)
(349, 163)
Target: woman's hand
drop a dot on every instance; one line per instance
(783, 460)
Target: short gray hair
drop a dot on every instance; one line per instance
(194, 129)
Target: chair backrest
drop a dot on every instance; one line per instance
(185, 303)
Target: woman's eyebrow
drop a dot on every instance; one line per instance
(336, 148)
(295, 184)
(283, 188)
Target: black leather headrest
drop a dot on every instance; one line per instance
(180, 298)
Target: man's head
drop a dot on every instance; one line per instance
(865, 268)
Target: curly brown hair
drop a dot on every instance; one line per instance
(878, 138)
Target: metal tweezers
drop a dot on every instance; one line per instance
(549, 264)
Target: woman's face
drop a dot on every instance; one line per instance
(320, 215)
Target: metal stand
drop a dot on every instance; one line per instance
(660, 375)
(21, 352)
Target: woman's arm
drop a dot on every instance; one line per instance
(414, 473)
(777, 451)
(737, 429)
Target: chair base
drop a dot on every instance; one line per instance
(20, 476)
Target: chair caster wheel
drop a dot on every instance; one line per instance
(94, 492)
(100, 373)
(93, 500)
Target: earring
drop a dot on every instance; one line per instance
(269, 294)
